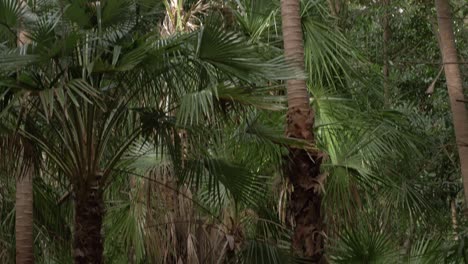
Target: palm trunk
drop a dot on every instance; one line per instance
(24, 192)
(454, 86)
(24, 208)
(303, 167)
(88, 240)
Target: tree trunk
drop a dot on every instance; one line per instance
(88, 240)
(454, 86)
(302, 168)
(386, 64)
(336, 7)
(334, 10)
(24, 191)
(338, 10)
(24, 207)
(453, 211)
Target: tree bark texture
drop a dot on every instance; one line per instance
(24, 208)
(24, 189)
(88, 240)
(303, 167)
(454, 86)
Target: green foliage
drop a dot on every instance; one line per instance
(186, 127)
(363, 245)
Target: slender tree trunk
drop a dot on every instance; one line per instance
(386, 40)
(24, 207)
(24, 191)
(336, 7)
(333, 8)
(454, 86)
(88, 240)
(303, 168)
(453, 211)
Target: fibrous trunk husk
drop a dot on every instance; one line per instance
(88, 240)
(303, 171)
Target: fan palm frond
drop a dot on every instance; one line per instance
(362, 244)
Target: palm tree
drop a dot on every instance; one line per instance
(303, 168)
(24, 183)
(454, 86)
(107, 110)
(111, 81)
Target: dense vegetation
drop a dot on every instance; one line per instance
(175, 131)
